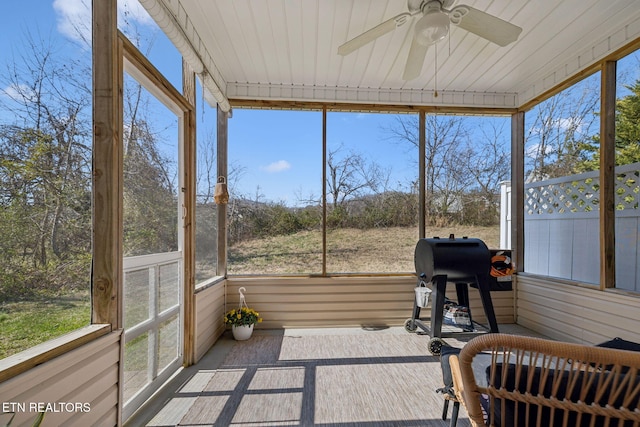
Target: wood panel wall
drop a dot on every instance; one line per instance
(86, 375)
(582, 314)
(209, 307)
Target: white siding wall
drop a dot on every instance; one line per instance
(209, 315)
(575, 313)
(88, 374)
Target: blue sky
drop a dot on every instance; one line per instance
(67, 22)
(277, 154)
(280, 152)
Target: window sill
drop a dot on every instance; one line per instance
(21, 362)
(206, 284)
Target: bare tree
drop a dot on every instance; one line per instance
(150, 176)
(351, 175)
(466, 158)
(47, 147)
(489, 161)
(206, 176)
(559, 127)
(445, 136)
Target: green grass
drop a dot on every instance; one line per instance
(25, 324)
(387, 250)
(349, 250)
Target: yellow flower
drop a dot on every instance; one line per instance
(242, 316)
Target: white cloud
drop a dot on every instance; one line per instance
(571, 123)
(17, 92)
(275, 167)
(131, 17)
(134, 10)
(564, 124)
(533, 150)
(74, 17)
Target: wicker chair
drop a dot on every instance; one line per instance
(507, 380)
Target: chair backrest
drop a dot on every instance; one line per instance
(507, 380)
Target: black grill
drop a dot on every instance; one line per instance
(461, 260)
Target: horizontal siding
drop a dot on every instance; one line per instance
(343, 301)
(576, 313)
(502, 305)
(209, 315)
(88, 374)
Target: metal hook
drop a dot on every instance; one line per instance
(240, 291)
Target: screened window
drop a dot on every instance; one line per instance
(561, 209)
(137, 25)
(627, 172)
(369, 212)
(275, 185)
(206, 178)
(467, 158)
(45, 174)
(372, 193)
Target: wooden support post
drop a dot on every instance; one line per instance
(324, 190)
(422, 194)
(189, 197)
(607, 175)
(106, 286)
(517, 190)
(107, 164)
(222, 125)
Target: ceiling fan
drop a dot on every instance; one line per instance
(433, 26)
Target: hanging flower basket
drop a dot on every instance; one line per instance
(242, 332)
(242, 319)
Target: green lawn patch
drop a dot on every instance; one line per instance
(25, 324)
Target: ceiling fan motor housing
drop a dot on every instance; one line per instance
(416, 6)
(433, 26)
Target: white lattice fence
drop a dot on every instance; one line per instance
(627, 187)
(562, 195)
(581, 193)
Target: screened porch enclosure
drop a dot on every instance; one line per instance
(158, 299)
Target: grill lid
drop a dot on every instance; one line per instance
(461, 260)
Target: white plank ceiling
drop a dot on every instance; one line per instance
(287, 49)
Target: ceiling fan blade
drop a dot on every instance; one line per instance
(373, 33)
(415, 60)
(484, 25)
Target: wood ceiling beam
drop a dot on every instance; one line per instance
(378, 108)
